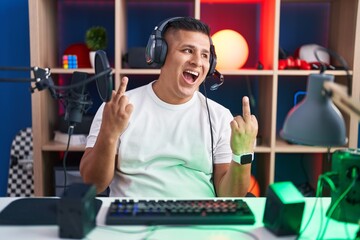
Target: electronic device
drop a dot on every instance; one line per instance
(76, 211)
(345, 200)
(156, 48)
(104, 83)
(175, 212)
(135, 58)
(284, 209)
(78, 100)
(242, 159)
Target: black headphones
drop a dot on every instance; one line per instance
(156, 48)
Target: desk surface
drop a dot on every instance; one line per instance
(335, 229)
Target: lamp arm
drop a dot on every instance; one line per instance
(339, 96)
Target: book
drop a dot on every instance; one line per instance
(76, 139)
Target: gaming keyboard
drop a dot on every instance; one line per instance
(179, 212)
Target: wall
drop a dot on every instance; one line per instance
(15, 98)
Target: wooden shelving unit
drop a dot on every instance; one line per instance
(344, 38)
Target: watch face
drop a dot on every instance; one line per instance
(245, 159)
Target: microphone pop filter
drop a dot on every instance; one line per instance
(104, 83)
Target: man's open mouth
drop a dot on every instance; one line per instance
(190, 76)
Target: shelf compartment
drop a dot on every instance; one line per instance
(254, 20)
(74, 18)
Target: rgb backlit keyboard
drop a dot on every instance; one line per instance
(176, 212)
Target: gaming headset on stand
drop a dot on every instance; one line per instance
(156, 50)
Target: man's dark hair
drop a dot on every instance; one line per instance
(189, 24)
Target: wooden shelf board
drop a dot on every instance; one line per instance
(53, 146)
(284, 147)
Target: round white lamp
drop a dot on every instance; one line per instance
(231, 48)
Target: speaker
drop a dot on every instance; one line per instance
(156, 48)
(283, 209)
(76, 211)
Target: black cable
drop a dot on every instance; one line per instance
(340, 59)
(210, 124)
(211, 135)
(70, 132)
(80, 84)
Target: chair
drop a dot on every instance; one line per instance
(21, 181)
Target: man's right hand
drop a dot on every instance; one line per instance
(117, 112)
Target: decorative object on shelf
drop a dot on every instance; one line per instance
(293, 63)
(306, 53)
(95, 39)
(82, 53)
(70, 61)
(232, 50)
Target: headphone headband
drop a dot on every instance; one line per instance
(156, 48)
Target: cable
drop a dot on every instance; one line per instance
(318, 195)
(79, 84)
(70, 132)
(150, 230)
(211, 135)
(337, 202)
(210, 124)
(340, 59)
(253, 236)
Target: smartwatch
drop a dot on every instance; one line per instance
(244, 158)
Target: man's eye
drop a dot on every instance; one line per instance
(187, 50)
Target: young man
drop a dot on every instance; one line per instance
(166, 139)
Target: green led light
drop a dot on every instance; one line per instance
(287, 192)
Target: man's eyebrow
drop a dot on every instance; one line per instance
(193, 47)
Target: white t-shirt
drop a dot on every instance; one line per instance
(166, 149)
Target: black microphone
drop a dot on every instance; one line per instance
(104, 83)
(77, 100)
(217, 85)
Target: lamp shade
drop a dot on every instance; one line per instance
(232, 50)
(315, 120)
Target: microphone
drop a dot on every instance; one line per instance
(77, 101)
(104, 83)
(217, 85)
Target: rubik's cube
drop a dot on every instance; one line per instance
(70, 61)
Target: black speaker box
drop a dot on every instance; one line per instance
(283, 209)
(135, 58)
(76, 212)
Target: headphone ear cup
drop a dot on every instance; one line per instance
(156, 50)
(161, 51)
(150, 49)
(213, 61)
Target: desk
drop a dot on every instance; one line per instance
(335, 230)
